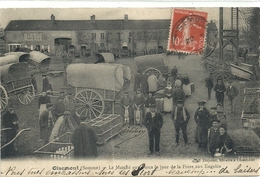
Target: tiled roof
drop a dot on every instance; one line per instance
(74, 25)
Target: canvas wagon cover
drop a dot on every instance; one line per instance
(23, 56)
(38, 57)
(126, 69)
(9, 59)
(150, 61)
(14, 72)
(98, 76)
(108, 57)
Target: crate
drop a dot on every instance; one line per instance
(107, 126)
(62, 148)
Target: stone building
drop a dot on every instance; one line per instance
(96, 35)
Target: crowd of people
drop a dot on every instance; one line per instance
(154, 96)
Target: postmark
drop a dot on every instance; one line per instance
(187, 31)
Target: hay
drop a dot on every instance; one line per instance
(245, 138)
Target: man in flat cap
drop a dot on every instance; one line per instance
(232, 92)
(139, 100)
(213, 134)
(46, 86)
(154, 122)
(202, 119)
(47, 120)
(62, 125)
(127, 112)
(180, 119)
(10, 120)
(220, 89)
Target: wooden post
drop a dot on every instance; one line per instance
(220, 33)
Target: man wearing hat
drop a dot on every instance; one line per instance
(202, 119)
(34, 83)
(43, 100)
(84, 140)
(154, 122)
(180, 119)
(213, 134)
(46, 86)
(47, 120)
(139, 101)
(62, 125)
(58, 108)
(221, 116)
(213, 113)
(10, 120)
(232, 93)
(220, 89)
(224, 144)
(126, 104)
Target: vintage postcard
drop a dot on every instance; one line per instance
(130, 91)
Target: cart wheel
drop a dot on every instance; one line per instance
(27, 95)
(219, 69)
(4, 98)
(152, 70)
(89, 103)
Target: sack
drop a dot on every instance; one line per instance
(137, 116)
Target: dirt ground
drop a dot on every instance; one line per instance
(137, 147)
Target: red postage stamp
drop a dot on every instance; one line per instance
(187, 31)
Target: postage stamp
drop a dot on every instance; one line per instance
(187, 31)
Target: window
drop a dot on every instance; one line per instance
(25, 37)
(102, 36)
(35, 37)
(31, 37)
(102, 45)
(94, 36)
(31, 47)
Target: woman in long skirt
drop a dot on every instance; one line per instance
(186, 85)
(168, 102)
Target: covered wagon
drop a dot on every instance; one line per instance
(95, 85)
(23, 56)
(9, 59)
(16, 80)
(39, 61)
(151, 64)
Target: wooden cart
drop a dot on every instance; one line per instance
(96, 86)
(39, 61)
(151, 64)
(16, 80)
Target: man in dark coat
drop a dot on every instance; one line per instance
(84, 140)
(34, 83)
(180, 119)
(202, 119)
(46, 123)
(232, 93)
(10, 120)
(209, 84)
(220, 89)
(46, 86)
(154, 122)
(43, 100)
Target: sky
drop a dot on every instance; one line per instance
(8, 14)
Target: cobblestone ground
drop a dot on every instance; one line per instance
(136, 147)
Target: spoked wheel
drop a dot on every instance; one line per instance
(152, 70)
(220, 69)
(89, 103)
(27, 95)
(4, 98)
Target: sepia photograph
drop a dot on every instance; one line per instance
(130, 91)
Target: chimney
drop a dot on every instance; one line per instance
(92, 19)
(126, 17)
